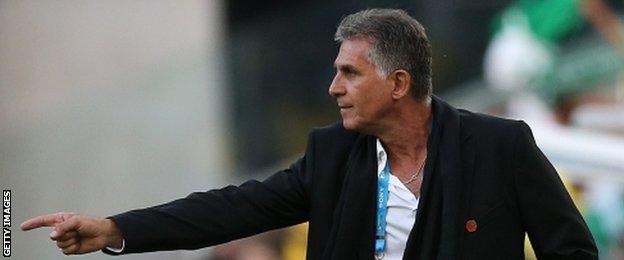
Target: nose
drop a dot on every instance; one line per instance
(336, 88)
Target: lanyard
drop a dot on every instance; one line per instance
(382, 210)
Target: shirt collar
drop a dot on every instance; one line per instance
(381, 157)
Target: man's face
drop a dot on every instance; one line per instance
(363, 95)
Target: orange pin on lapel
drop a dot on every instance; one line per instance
(471, 225)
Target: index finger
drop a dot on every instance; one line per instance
(44, 221)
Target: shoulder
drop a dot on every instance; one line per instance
(473, 119)
(327, 154)
(472, 123)
(493, 129)
(477, 122)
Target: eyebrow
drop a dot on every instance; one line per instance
(345, 67)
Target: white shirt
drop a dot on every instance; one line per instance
(402, 206)
(118, 250)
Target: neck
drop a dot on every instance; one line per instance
(405, 135)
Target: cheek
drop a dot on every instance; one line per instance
(375, 106)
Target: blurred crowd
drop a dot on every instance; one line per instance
(560, 63)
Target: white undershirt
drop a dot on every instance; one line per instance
(402, 205)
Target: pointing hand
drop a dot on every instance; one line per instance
(78, 234)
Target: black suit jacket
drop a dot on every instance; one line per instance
(478, 168)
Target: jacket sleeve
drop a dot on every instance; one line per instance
(218, 216)
(555, 227)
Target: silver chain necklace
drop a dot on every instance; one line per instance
(417, 173)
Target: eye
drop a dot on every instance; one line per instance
(348, 71)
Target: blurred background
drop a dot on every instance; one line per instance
(107, 106)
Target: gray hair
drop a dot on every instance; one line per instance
(399, 42)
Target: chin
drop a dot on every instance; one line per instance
(351, 125)
(347, 124)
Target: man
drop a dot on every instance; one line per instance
(403, 176)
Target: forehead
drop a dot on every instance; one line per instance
(354, 52)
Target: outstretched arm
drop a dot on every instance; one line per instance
(217, 216)
(77, 234)
(199, 220)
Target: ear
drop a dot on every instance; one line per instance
(401, 81)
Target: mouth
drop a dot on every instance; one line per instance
(344, 108)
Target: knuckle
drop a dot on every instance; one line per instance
(70, 225)
(62, 243)
(69, 250)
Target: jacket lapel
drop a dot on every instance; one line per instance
(452, 184)
(353, 227)
(467, 164)
(439, 222)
